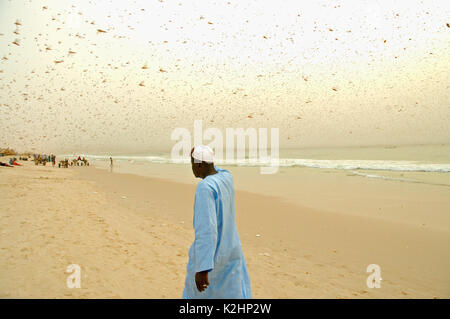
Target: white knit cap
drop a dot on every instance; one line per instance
(203, 153)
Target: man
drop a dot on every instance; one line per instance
(216, 267)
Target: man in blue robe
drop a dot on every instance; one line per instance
(216, 267)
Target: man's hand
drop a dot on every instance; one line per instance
(201, 279)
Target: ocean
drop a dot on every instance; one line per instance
(418, 158)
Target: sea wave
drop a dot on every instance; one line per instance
(379, 165)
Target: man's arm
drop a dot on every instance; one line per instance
(205, 226)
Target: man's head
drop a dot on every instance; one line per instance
(202, 161)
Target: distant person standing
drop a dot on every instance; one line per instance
(216, 267)
(111, 164)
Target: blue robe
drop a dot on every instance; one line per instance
(217, 247)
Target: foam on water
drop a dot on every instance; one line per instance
(379, 165)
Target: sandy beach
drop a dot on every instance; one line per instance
(306, 233)
(348, 99)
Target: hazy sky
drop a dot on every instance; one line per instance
(119, 76)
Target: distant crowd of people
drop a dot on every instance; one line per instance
(74, 162)
(12, 162)
(45, 158)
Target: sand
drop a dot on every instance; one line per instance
(306, 233)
